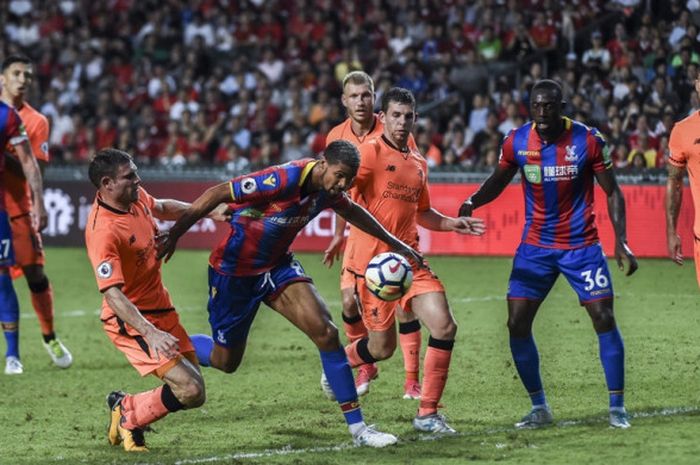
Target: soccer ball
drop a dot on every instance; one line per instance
(388, 276)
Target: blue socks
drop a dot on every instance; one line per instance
(203, 345)
(339, 375)
(612, 356)
(527, 361)
(9, 313)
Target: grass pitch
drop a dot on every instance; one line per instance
(272, 409)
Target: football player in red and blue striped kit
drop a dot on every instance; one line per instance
(253, 265)
(558, 159)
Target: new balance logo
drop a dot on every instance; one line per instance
(390, 168)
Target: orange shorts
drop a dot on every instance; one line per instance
(377, 314)
(136, 349)
(347, 279)
(26, 241)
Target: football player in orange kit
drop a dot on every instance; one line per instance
(361, 125)
(393, 183)
(17, 77)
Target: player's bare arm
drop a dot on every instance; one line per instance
(332, 253)
(436, 221)
(30, 167)
(674, 197)
(212, 197)
(616, 211)
(361, 218)
(161, 342)
(489, 190)
(171, 210)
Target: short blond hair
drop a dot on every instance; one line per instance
(358, 78)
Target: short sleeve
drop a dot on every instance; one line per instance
(599, 151)
(506, 158)
(40, 140)
(368, 158)
(677, 154)
(259, 186)
(103, 251)
(424, 199)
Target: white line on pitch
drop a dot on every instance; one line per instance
(288, 450)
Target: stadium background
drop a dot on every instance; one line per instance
(204, 90)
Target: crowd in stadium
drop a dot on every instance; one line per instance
(251, 83)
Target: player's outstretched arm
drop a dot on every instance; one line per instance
(332, 253)
(30, 167)
(361, 218)
(436, 221)
(616, 211)
(172, 210)
(674, 197)
(160, 342)
(167, 241)
(489, 190)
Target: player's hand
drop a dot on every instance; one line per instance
(469, 225)
(622, 251)
(162, 343)
(165, 245)
(332, 253)
(412, 255)
(222, 212)
(39, 217)
(674, 248)
(466, 208)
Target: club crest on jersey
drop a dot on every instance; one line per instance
(533, 174)
(271, 181)
(248, 185)
(104, 270)
(571, 155)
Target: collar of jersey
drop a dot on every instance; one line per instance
(112, 209)
(391, 145)
(305, 172)
(567, 125)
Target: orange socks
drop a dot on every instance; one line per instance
(435, 368)
(410, 341)
(43, 306)
(142, 409)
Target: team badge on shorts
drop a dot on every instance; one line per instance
(104, 270)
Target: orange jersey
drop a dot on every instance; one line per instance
(684, 146)
(121, 247)
(393, 186)
(344, 131)
(18, 196)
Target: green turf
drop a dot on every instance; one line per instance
(274, 402)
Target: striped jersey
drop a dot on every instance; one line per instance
(271, 207)
(11, 133)
(557, 180)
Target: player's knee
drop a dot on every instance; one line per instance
(383, 352)
(227, 366)
(326, 338)
(603, 321)
(349, 305)
(445, 331)
(517, 327)
(192, 394)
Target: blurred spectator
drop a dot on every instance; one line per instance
(642, 147)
